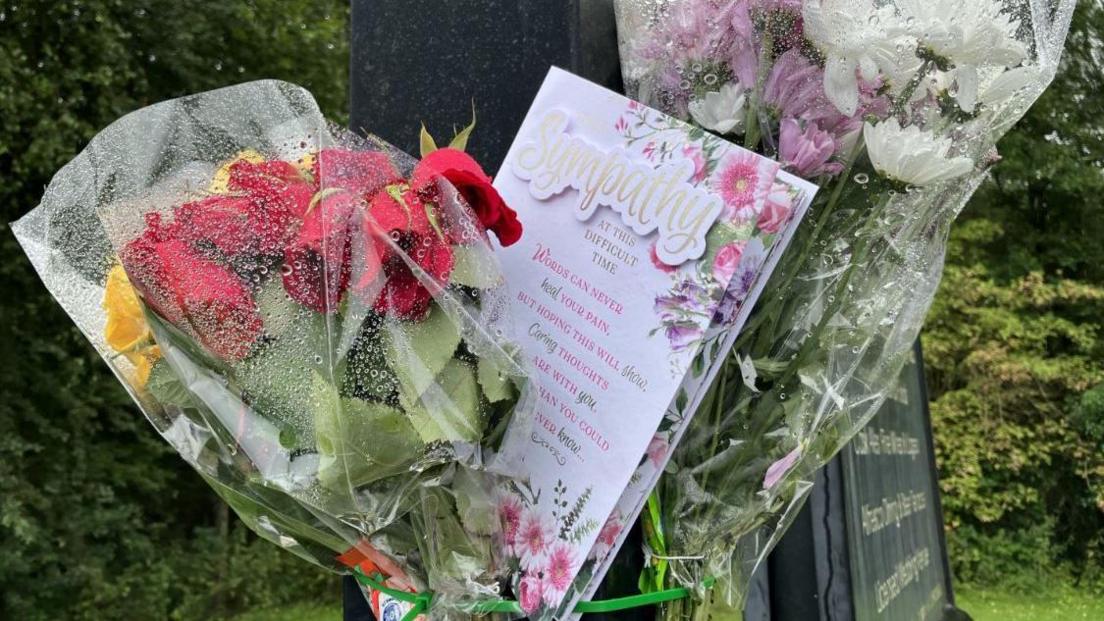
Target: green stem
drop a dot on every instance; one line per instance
(857, 259)
(793, 268)
(754, 130)
(902, 100)
(718, 409)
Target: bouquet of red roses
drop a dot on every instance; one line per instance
(313, 320)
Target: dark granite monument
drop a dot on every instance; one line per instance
(869, 544)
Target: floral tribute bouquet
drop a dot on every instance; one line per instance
(312, 320)
(893, 108)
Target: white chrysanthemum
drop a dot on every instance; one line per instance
(969, 34)
(721, 111)
(856, 38)
(1008, 84)
(912, 156)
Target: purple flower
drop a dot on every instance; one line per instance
(698, 39)
(683, 334)
(807, 152)
(795, 89)
(795, 86)
(752, 258)
(778, 469)
(676, 312)
(744, 59)
(686, 296)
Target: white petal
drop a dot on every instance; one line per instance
(724, 127)
(967, 94)
(1008, 84)
(957, 167)
(841, 85)
(700, 113)
(868, 68)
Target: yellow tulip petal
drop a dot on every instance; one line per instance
(126, 324)
(143, 361)
(220, 184)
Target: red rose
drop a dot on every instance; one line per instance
(195, 294)
(402, 231)
(279, 194)
(224, 222)
(465, 174)
(317, 262)
(360, 172)
(263, 177)
(259, 217)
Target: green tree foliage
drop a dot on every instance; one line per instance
(98, 519)
(1015, 341)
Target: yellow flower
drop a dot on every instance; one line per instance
(220, 184)
(126, 324)
(143, 361)
(306, 163)
(127, 331)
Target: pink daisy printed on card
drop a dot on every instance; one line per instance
(534, 537)
(509, 516)
(743, 180)
(559, 572)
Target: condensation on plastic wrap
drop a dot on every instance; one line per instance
(837, 320)
(321, 332)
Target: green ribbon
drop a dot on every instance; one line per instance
(422, 601)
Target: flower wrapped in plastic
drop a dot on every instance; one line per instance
(313, 320)
(894, 109)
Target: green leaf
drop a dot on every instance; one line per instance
(278, 379)
(496, 386)
(166, 387)
(472, 267)
(460, 140)
(474, 502)
(367, 373)
(277, 309)
(426, 143)
(359, 441)
(417, 352)
(449, 409)
(451, 554)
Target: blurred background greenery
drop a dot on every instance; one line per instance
(99, 520)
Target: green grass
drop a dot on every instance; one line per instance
(1049, 604)
(300, 612)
